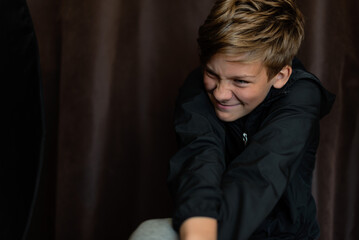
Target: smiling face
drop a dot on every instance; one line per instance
(235, 87)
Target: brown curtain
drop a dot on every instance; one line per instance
(111, 71)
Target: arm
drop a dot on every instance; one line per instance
(195, 171)
(199, 228)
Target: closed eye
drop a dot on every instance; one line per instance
(211, 75)
(240, 82)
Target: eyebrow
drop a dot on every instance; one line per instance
(210, 71)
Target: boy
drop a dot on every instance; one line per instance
(248, 128)
(247, 124)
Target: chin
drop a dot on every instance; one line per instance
(227, 117)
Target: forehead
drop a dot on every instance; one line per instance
(234, 65)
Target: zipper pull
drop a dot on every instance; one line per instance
(245, 138)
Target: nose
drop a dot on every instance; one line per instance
(223, 92)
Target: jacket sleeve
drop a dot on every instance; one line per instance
(257, 178)
(196, 170)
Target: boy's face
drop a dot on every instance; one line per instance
(235, 88)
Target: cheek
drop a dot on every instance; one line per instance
(248, 95)
(254, 95)
(244, 94)
(209, 83)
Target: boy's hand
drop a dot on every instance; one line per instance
(199, 228)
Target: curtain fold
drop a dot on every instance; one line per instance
(111, 73)
(330, 51)
(22, 128)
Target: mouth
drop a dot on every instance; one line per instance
(226, 106)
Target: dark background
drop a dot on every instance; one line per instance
(111, 71)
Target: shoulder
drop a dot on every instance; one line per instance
(193, 102)
(192, 96)
(304, 89)
(192, 86)
(194, 114)
(300, 94)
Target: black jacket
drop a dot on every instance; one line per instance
(253, 175)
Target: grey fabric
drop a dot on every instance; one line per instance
(155, 229)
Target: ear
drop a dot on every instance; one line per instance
(282, 77)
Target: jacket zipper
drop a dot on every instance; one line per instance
(245, 138)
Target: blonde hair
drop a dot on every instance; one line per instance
(266, 30)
